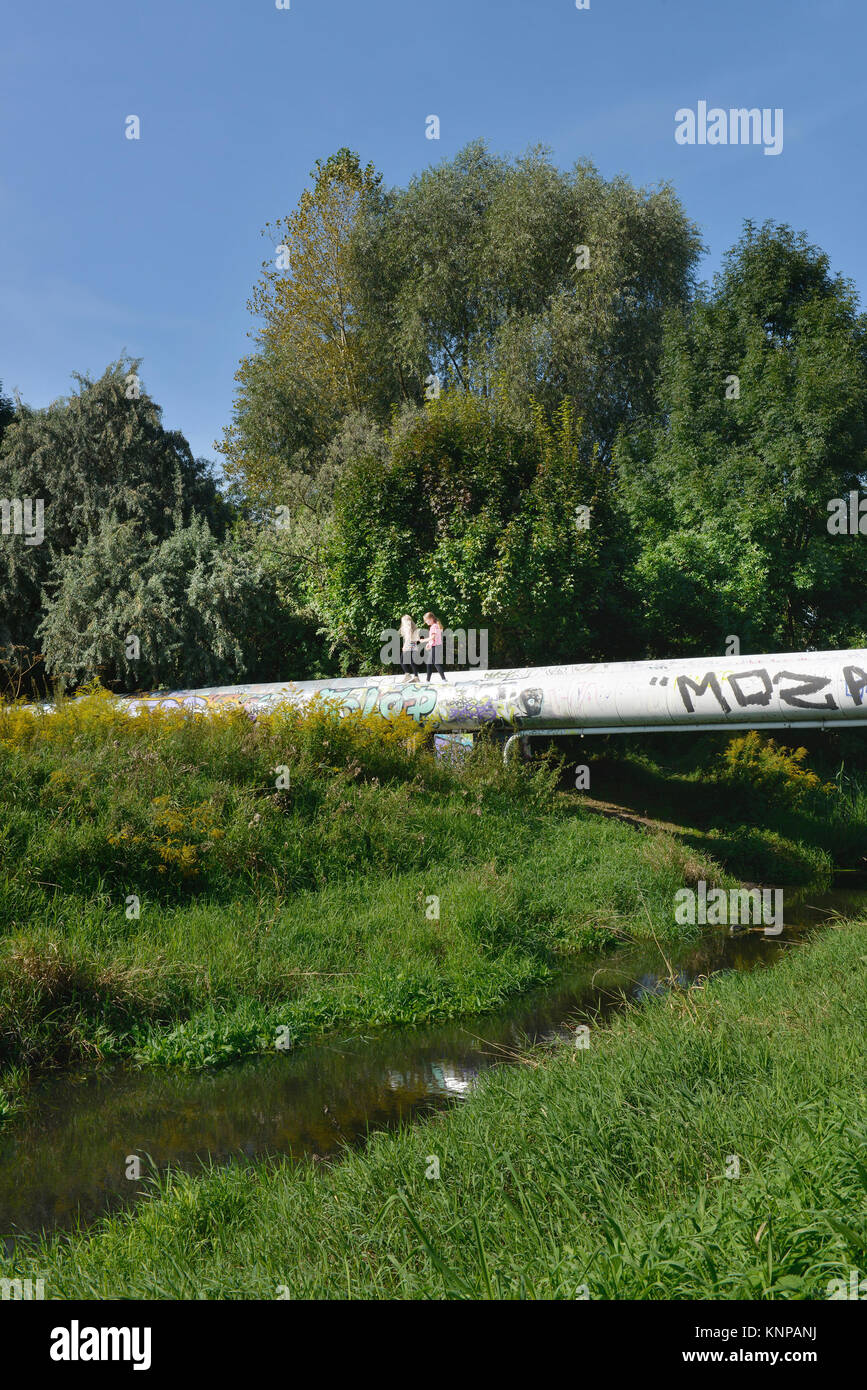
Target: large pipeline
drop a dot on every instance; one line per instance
(803, 689)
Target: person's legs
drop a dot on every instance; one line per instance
(406, 663)
(437, 658)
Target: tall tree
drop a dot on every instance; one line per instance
(307, 371)
(762, 421)
(518, 279)
(491, 275)
(101, 453)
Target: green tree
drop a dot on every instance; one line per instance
(471, 517)
(762, 420)
(139, 612)
(467, 278)
(292, 547)
(101, 454)
(308, 370)
(7, 413)
(473, 274)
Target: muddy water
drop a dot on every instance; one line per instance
(67, 1160)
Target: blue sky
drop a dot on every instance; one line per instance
(152, 246)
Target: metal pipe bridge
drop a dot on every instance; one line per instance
(778, 691)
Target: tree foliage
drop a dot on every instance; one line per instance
(308, 369)
(444, 375)
(466, 278)
(7, 413)
(761, 420)
(140, 612)
(477, 520)
(100, 457)
(474, 274)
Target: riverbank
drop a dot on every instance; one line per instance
(183, 893)
(187, 892)
(707, 1144)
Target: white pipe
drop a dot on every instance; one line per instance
(804, 689)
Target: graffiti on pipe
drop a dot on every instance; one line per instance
(756, 688)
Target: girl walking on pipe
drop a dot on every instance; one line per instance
(434, 652)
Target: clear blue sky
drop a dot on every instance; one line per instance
(152, 246)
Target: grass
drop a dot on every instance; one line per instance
(754, 802)
(182, 891)
(603, 1172)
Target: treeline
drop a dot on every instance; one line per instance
(498, 393)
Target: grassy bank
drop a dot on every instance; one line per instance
(605, 1172)
(185, 891)
(779, 809)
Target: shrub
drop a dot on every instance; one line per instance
(758, 769)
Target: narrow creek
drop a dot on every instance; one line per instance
(65, 1161)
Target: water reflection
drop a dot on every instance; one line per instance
(67, 1160)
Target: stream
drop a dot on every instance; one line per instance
(65, 1160)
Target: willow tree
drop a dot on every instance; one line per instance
(514, 278)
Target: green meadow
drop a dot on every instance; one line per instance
(182, 892)
(165, 901)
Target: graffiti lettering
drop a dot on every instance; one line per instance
(372, 699)
(806, 685)
(710, 682)
(422, 705)
(391, 704)
(470, 709)
(792, 695)
(856, 681)
(758, 697)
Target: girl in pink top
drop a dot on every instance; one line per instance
(434, 652)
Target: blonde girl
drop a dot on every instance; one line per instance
(408, 645)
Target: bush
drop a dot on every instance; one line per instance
(759, 770)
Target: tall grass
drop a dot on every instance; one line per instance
(707, 1145)
(178, 889)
